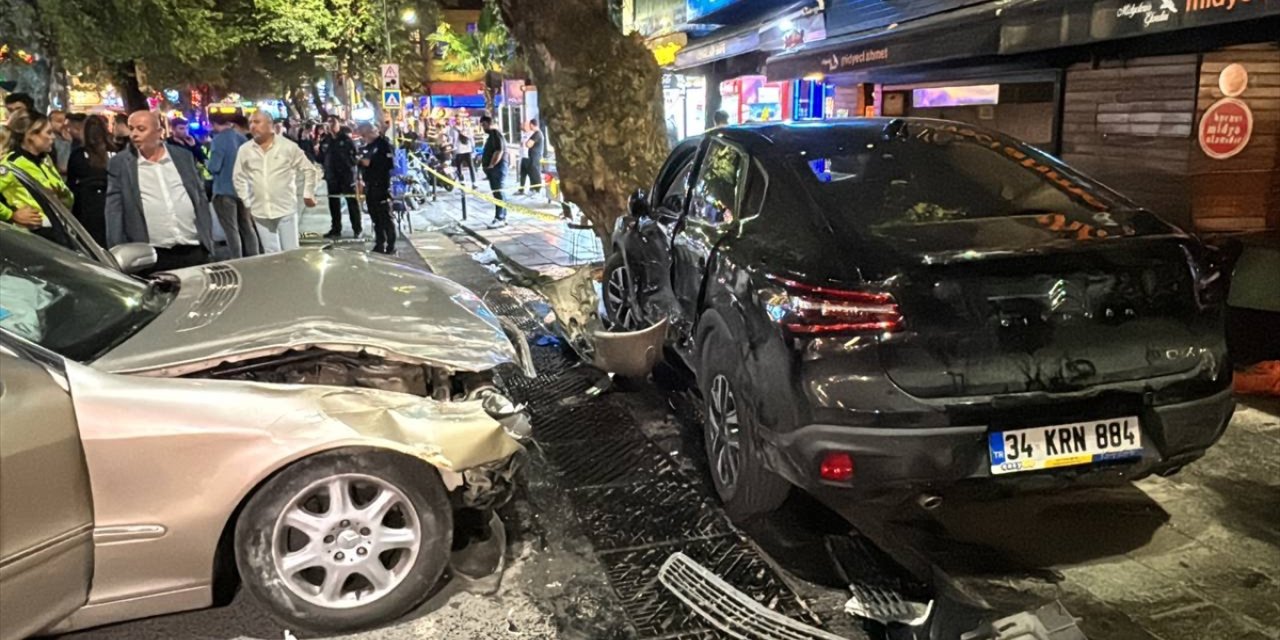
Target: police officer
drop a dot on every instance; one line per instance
(29, 152)
(375, 170)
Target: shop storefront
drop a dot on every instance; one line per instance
(1179, 107)
(684, 100)
(731, 61)
(1141, 94)
(751, 98)
(1023, 105)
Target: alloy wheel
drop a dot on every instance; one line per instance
(618, 299)
(725, 433)
(346, 541)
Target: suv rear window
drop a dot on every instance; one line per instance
(942, 174)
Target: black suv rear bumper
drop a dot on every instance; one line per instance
(897, 458)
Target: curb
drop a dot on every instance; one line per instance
(521, 273)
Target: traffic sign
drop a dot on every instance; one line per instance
(391, 99)
(390, 76)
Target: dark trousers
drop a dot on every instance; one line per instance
(384, 229)
(529, 170)
(242, 235)
(179, 257)
(461, 160)
(337, 187)
(496, 176)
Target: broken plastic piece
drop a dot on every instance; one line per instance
(631, 353)
(1050, 622)
(575, 302)
(727, 608)
(886, 606)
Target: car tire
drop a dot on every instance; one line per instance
(294, 573)
(618, 295)
(750, 489)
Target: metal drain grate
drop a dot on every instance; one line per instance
(595, 463)
(637, 515)
(595, 421)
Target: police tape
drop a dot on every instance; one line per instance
(510, 206)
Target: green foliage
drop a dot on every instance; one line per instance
(172, 37)
(256, 47)
(489, 48)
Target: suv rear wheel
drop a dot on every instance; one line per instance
(745, 486)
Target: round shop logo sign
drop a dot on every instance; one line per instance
(1225, 128)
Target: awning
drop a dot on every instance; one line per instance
(733, 41)
(734, 11)
(964, 33)
(457, 88)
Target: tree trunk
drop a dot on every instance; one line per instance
(600, 93)
(126, 78)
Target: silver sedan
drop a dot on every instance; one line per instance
(304, 423)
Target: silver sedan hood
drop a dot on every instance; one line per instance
(332, 299)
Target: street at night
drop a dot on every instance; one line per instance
(640, 319)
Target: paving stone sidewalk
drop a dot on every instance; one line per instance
(550, 246)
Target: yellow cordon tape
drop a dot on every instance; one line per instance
(494, 201)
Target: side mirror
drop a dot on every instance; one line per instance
(639, 204)
(134, 256)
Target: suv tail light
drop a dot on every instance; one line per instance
(816, 310)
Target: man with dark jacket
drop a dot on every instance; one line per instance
(340, 178)
(155, 195)
(375, 169)
(494, 162)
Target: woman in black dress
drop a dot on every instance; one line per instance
(87, 178)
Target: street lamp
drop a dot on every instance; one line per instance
(409, 16)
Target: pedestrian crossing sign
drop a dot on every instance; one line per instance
(391, 99)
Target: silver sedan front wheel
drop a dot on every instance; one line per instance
(345, 540)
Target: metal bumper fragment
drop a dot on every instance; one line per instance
(730, 610)
(886, 606)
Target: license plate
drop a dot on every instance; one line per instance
(1064, 445)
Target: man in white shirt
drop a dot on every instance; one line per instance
(156, 195)
(266, 176)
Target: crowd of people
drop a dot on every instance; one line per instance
(132, 179)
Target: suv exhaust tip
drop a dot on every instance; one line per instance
(929, 501)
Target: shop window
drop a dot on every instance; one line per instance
(716, 194)
(810, 100)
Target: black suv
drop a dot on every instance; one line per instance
(906, 304)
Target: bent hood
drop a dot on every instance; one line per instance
(325, 298)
